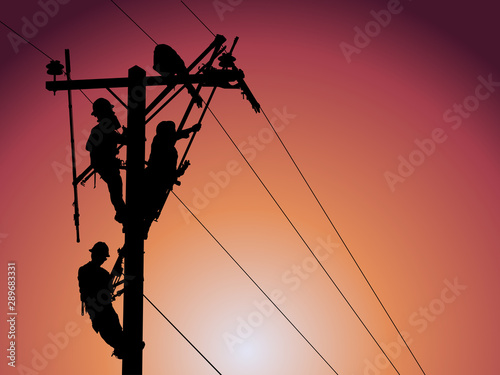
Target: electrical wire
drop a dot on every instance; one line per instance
(38, 49)
(135, 23)
(304, 241)
(185, 338)
(198, 18)
(341, 239)
(253, 281)
(301, 174)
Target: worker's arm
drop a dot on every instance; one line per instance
(184, 133)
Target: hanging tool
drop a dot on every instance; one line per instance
(117, 273)
(55, 68)
(226, 61)
(182, 163)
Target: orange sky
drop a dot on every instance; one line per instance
(413, 195)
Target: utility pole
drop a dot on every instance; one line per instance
(134, 225)
(229, 77)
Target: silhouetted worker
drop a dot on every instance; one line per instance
(95, 293)
(161, 172)
(166, 61)
(103, 147)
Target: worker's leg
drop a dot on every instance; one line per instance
(110, 328)
(115, 186)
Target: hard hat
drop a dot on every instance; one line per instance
(165, 128)
(101, 105)
(100, 248)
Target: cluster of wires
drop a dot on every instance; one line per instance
(287, 218)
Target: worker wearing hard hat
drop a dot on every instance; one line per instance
(95, 293)
(162, 171)
(103, 147)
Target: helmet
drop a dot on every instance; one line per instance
(101, 105)
(165, 128)
(100, 248)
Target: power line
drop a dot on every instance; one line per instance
(315, 197)
(207, 228)
(26, 40)
(190, 343)
(38, 49)
(341, 239)
(203, 23)
(304, 241)
(135, 23)
(264, 185)
(253, 281)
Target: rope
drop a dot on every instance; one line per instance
(254, 282)
(135, 23)
(304, 241)
(341, 239)
(185, 338)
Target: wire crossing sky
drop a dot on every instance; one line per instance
(293, 226)
(388, 110)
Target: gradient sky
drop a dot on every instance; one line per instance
(399, 141)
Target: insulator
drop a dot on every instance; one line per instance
(226, 60)
(55, 68)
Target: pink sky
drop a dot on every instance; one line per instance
(413, 195)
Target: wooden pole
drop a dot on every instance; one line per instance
(134, 226)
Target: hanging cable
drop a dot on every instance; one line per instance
(341, 239)
(135, 23)
(185, 338)
(304, 241)
(253, 281)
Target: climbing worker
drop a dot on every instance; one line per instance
(161, 172)
(96, 295)
(166, 61)
(103, 147)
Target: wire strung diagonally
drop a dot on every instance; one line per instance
(305, 242)
(26, 40)
(327, 216)
(135, 23)
(38, 49)
(185, 338)
(341, 239)
(291, 221)
(254, 282)
(198, 18)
